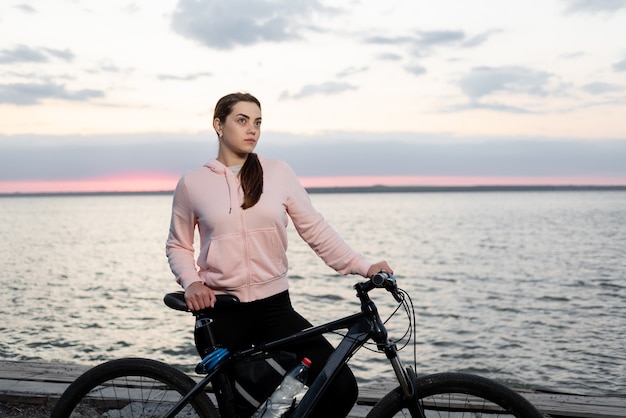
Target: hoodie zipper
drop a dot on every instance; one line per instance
(242, 223)
(244, 237)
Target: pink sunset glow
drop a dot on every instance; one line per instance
(129, 182)
(157, 182)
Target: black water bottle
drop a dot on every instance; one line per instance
(203, 336)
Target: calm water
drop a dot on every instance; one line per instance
(525, 287)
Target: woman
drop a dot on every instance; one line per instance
(240, 203)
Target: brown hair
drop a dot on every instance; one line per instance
(251, 174)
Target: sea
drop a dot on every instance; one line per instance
(524, 287)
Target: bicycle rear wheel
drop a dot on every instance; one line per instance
(455, 395)
(131, 387)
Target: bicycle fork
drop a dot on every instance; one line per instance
(402, 374)
(406, 377)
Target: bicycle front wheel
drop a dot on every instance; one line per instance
(131, 387)
(455, 395)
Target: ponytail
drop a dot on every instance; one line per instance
(251, 177)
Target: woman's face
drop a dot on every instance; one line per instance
(241, 130)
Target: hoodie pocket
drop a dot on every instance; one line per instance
(225, 258)
(234, 262)
(268, 258)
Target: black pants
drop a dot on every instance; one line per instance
(246, 324)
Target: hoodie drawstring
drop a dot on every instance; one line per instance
(230, 194)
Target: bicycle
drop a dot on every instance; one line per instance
(144, 387)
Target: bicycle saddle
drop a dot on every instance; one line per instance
(176, 300)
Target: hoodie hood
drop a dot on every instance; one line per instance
(232, 181)
(217, 167)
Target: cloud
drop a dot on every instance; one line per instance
(484, 81)
(225, 25)
(430, 39)
(26, 94)
(594, 6)
(389, 40)
(620, 66)
(26, 8)
(601, 88)
(422, 44)
(34, 157)
(573, 55)
(328, 88)
(415, 69)
(38, 76)
(442, 37)
(187, 77)
(65, 55)
(389, 56)
(23, 53)
(330, 154)
(131, 8)
(495, 107)
(421, 40)
(479, 39)
(107, 66)
(351, 71)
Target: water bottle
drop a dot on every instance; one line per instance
(283, 398)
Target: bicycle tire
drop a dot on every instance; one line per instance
(456, 395)
(131, 387)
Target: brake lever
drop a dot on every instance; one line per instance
(392, 287)
(396, 295)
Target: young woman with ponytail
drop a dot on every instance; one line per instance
(240, 203)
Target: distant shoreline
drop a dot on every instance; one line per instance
(366, 189)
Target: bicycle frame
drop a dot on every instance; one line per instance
(442, 392)
(361, 327)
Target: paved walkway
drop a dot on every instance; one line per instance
(43, 383)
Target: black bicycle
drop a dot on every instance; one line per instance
(136, 387)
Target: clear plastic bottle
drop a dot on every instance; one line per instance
(282, 399)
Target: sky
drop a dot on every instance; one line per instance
(119, 95)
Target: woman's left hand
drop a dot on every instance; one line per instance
(376, 268)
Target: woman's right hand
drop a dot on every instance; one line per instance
(198, 296)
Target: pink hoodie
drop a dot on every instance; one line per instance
(243, 252)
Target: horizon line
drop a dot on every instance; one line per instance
(359, 189)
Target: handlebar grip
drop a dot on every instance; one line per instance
(387, 281)
(380, 278)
